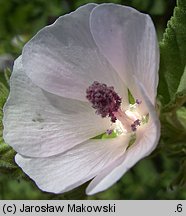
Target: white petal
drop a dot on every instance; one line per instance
(127, 38)
(66, 171)
(40, 124)
(63, 58)
(147, 140)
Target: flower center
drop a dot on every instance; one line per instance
(107, 103)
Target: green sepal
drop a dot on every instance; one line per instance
(181, 115)
(178, 100)
(109, 136)
(131, 99)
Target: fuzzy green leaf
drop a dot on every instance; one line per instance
(173, 55)
(3, 147)
(6, 165)
(6, 152)
(182, 85)
(3, 94)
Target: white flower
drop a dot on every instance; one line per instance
(49, 121)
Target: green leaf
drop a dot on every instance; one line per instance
(3, 94)
(173, 55)
(7, 74)
(3, 97)
(182, 85)
(7, 154)
(6, 165)
(3, 147)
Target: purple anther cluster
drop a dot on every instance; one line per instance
(138, 101)
(135, 124)
(104, 99)
(109, 131)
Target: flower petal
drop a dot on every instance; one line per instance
(147, 140)
(127, 38)
(66, 171)
(40, 124)
(63, 58)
